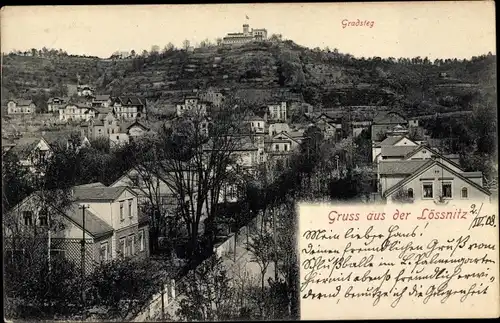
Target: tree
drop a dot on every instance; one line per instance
(170, 47)
(125, 286)
(132, 53)
(208, 293)
(261, 247)
(196, 167)
(155, 49)
(186, 44)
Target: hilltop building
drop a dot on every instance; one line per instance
(248, 35)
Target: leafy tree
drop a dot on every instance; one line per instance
(124, 286)
(208, 294)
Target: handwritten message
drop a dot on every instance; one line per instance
(399, 261)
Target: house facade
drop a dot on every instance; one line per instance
(214, 96)
(21, 106)
(129, 108)
(56, 103)
(278, 112)
(106, 218)
(101, 101)
(431, 180)
(192, 105)
(76, 112)
(248, 35)
(118, 208)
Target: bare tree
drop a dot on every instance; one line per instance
(186, 44)
(261, 247)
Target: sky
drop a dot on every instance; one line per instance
(460, 29)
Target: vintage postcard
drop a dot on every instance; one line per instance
(221, 162)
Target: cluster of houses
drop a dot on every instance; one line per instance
(408, 167)
(411, 170)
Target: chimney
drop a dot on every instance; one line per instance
(245, 29)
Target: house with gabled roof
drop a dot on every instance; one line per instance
(392, 141)
(66, 139)
(101, 101)
(55, 103)
(76, 112)
(430, 179)
(21, 106)
(107, 217)
(33, 152)
(135, 129)
(129, 107)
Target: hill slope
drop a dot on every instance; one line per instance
(260, 72)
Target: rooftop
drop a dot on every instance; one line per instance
(389, 117)
(391, 140)
(396, 151)
(93, 224)
(97, 193)
(400, 167)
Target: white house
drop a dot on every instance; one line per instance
(429, 179)
(257, 124)
(193, 105)
(392, 141)
(21, 106)
(278, 112)
(129, 107)
(74, 112)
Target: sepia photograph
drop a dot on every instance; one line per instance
(189, 162)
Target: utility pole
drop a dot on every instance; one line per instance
(83, 207)
(275, 248)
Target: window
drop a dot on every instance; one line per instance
(135, 179)
(131, 244)
(104, 251)
(286, 147)
(427, 191)
(277, 147)
(57, 254)
(28, 217)
(130, 208)
(121, 247)
(141, 240)
(446, 190)
(42, 217)
(121, 212)
(410, 193)
(464, 193)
